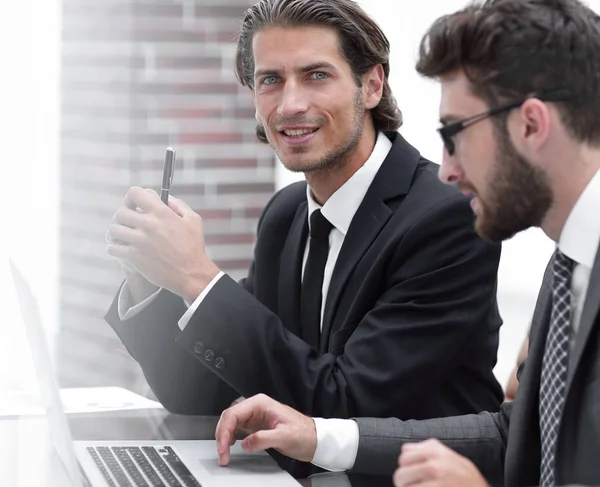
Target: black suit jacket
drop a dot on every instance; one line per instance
(410, 325)
(506, 445)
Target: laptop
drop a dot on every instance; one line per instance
(134, 463)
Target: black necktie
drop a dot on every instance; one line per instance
(554, 366)
(312, 281)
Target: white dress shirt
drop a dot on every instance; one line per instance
(579, 240)
(336, 446)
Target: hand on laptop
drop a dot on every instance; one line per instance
(271, 424)
(433, 464)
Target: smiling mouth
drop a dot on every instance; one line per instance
(298, 133)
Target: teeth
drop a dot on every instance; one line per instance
(298, 133)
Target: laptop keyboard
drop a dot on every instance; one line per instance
(133, 466)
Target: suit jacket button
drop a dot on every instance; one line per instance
(219, 362)
(209, 355)
(198, 348)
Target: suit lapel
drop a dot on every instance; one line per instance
(523, 454)
(291, 270)
(591, 308)
(371, 217)
(392, 180)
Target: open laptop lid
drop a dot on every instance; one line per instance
(42, 362)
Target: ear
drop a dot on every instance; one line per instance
(531, 126)
(373, 82)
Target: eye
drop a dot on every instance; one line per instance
(269, 80)
(319, 75)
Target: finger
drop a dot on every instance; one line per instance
(173, 204)
(128, 217)
(146, 200)
(410, 476)
(231, 420)
(413, 457)
(264, 439)
(224, 434)
(248, 414)
(129, 203)
(413, 453)
(224, 453)
(183, 209)
(124, 235)
(121, 252)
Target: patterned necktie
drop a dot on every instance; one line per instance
(554, 366)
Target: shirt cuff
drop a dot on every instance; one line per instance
(124, 308)
(187, 316)
(337, 444)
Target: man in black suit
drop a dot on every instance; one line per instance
(520, 103)
(395, 314)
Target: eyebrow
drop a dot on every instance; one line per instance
(304, 69)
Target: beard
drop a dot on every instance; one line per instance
(519, 195)
(333, 158)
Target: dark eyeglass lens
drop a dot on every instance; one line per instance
(449, 144)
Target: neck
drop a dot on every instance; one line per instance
(568, 183)
(327, 181)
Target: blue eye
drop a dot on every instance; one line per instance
(320, 75)
(269, 80)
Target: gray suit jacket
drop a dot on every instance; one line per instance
(505, 446)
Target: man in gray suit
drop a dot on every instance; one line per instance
(520, 101)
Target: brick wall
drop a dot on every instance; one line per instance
(138, 76)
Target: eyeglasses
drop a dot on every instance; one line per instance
(447, 132)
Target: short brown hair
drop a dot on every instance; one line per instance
(363, 44)
(512, 49)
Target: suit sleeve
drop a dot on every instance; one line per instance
(179, 382)
(441, 288)
(482, 438)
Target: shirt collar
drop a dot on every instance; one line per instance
(341, 206)
(580, 237)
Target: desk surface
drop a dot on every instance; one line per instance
(23, 444)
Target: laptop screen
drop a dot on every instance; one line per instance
(36, 337)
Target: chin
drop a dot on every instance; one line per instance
(493, 232)
(304, 164)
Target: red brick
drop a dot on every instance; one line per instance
(253, 212)
(233, 264)
(233, 238)
(187, 62)
(237, 163)
(245, 188)
(153, 111)
(210, 138)
(217, 12)
(194, 113)
(223, 214)
(244, 112)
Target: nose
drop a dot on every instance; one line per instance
(293, 100)
(451, 170)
